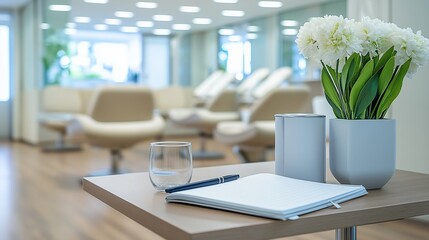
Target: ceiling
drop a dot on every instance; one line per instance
(98, 13)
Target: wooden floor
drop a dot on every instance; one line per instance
(41, 197)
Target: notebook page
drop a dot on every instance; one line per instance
(267, 192)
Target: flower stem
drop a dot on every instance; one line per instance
(344, 104)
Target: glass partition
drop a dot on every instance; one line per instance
(290, 22)
(250, 45)
(242, 47)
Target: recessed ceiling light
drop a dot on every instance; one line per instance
(252, 28)
(162, 18)
(225, 1)
(234, 38)
(289, 23)
(146, 5)
(189, 9)
(112, 21)
(71, 25)
(226, 31)
(144, 24)
(45, 26)
(290, 31)
(100, 27)
(97, 1)
(82, 19)
(182, 27)
(60, 8)
(161, 31)
(70, 31)
(232, 13)
(251, 36)
(124, 14)
(270, 4)
(129, 29)
(201, 21)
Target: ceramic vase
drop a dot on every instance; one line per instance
(363, 152)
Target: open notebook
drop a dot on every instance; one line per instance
(269, 195)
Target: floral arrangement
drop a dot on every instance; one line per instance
(363, 63)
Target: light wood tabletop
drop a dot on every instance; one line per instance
(405, 195)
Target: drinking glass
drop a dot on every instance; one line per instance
(170, 164)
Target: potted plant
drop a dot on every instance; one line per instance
(363, 66)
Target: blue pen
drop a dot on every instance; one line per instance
(203, 183)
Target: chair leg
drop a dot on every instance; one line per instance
(60, 145)
(202, 153)
(250, 154)
(116, 157)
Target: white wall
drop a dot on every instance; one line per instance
(156, 61)
(375, 9)
(30, 72)
(16, 75)
(411, 108)
(203, 55)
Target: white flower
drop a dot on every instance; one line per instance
(306, 39)
(410, 45)
(375, 36)
(420, 53)
(331, 39)
(337, 38)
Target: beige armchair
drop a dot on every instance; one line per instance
(255, 134)
(252, 81)
(273, 81)
(59, 105)
(118, 117)
(201, 90)
(224, 107)
(172, 97)
(219, 84)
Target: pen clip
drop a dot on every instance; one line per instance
(336, 205)
(221, 179)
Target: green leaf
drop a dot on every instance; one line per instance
(376, 58)
(367, 95)
(386, 56)
(347, 73)
(356, 71)
(335, 109)
(393, 89)
(329, 87)
(364, 76)
(386, 75)
(334, 75)
(365, 59)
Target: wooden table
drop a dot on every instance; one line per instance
(406, 195)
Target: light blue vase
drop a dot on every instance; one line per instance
(362, 152)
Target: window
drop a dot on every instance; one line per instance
(235, 53)
(99, 60)
(88, 58)
(4, 59)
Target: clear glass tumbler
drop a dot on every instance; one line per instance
(170, 164)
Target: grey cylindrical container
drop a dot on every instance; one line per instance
(300, 144)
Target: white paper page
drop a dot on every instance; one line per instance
(267, 192)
